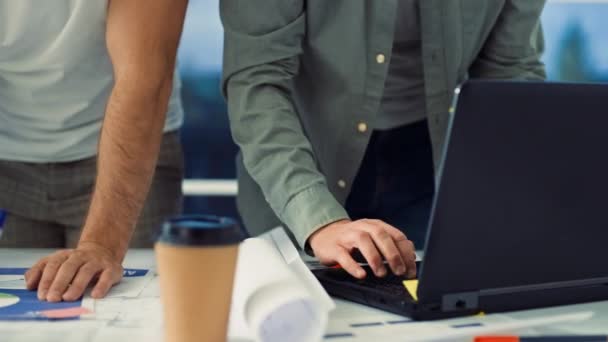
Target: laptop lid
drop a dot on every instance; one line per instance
(521, 201)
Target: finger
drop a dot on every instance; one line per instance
(83, 278)
(347, 262)
(33, 275)
(394, 232)
(409, 251)
(387, 247)
(369, 250)
(48, 274)
(64, 277)
(406, 248)
(107, 278)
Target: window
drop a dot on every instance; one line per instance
(576, 37)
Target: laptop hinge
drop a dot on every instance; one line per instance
(460, 301)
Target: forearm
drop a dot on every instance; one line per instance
(257, 81)
(143, 57)
(276, 151)
(142, 53)
(128, 151)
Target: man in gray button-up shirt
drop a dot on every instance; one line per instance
(305, 83)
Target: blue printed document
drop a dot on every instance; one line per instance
(18, 303)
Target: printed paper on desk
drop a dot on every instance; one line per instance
(463, 329)
(132, 284)
(12, 278)
(8, 281)
(275, 296)
(65, 331)
(19, 305)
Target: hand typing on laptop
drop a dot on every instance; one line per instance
(374, 239)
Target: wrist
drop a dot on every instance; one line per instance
(107, 232)
(313, 236)
(110, 244)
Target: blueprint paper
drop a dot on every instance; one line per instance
(8, 281)
(24, 305)
(133, 281)
(132, 284)
(276, 297)
(384, 328)
(17, 303)
(55, 331)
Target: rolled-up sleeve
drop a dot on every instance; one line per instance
(515, 46)
(263, 43)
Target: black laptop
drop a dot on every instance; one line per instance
(520, 216)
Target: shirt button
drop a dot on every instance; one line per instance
(380, 58)
(342, 183)
(362, 127)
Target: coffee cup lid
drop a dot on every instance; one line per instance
(201, 230)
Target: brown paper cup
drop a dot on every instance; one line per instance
(196, 281)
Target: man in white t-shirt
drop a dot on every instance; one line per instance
(90, 157)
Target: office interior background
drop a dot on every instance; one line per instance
(576, 37)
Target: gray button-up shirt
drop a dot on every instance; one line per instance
(403, 100)
(304, 81)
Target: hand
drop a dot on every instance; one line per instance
(65, 275)
(335, 242)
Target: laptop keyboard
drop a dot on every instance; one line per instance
(391, 284)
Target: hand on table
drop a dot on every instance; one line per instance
(65, 275)
(375, 239)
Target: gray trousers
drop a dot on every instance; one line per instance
(46, 204)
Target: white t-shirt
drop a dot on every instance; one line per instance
(55, 80)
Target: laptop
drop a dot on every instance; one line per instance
(520, 215)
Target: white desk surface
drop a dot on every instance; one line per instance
(341, 318)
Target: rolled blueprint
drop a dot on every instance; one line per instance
(275, 297)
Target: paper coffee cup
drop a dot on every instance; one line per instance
(196, 258)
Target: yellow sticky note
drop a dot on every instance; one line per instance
(412, 287)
